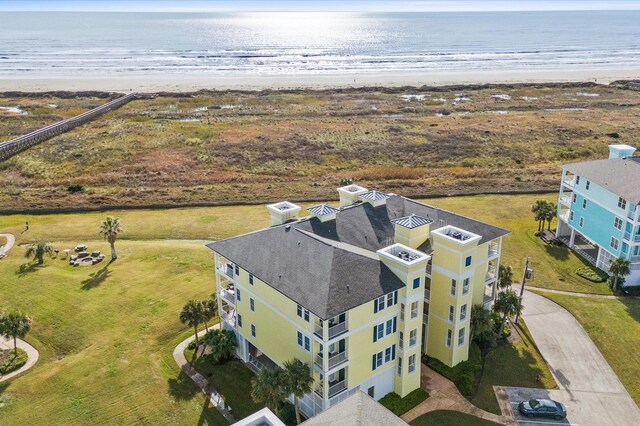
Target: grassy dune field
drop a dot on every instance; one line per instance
(231, 147)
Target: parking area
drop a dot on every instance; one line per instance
(517, 395)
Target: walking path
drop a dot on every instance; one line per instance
(443, 395)
(199, 379)
(571, 293)
(587, 385)
(11, 240)
(32, 354)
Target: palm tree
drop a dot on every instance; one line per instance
(480, 321)
(37, 250)
(209, 309)
(267, 388)
(551, 211)
(505, 276)
(192, 316)
(13, 326)
(618, 269)
(109, 229)
(538, 209)
(223, 344)
(297, 380)
(508, 303)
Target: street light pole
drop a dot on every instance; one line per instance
(524, 279)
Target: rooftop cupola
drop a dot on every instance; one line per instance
(403, 260)
(282, 212)
(412, 230)
(375, 198)
(349, 194)
(323, 212)
(621, 151)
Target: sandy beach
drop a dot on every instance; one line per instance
(191, 82)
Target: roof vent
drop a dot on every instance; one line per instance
(349, 194)
(282, 212)
(323, 212)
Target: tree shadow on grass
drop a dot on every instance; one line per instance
(97, 278)
(27, 268)
(182, 387)
(557, 252)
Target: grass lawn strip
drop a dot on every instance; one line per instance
(450, 418)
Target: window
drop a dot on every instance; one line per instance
(622, 203)
(237, 270)
(238, 294)
(614, 243)
(239, 320)
(465, 286)
(402, 311)
(413, 337)
(389, 328)
(587, 185)
(449, 337)
(617, 223)
(384, 329)
(571, 216)
(584, 204)
(467, 261)
(251, 279)
(380, 331)
(300, 340)
(463, 312)
(385, 301)
(303, 313)
(304, 342)
(581, 221)
(577, 180)
(451, 313)
(252, 304)
(383, 357)
(416, 282)
(453, 287)
(461, 337)
(574, 197)
(401, 340)
(399, 366)
(414, 310)
(253, 330)
(412, 363)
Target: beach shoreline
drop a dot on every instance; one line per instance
(193, 82)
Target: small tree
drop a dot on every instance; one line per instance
(505, 276)
(538, 209)
(223, 344)
(297, 380)
(37, 251)
(109, 229)
(508, 303)
(13, 326)
(192, 315)
(482, 326)
(209, 309)
(267, 388)
(550, 212)
(346, 181)
(618, 270)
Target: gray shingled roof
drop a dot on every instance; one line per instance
(312, 262)
(412, 221)
(357, 410)
(323, 209)
(618, 175)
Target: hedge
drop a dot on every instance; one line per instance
(399, 406)
(464, 374)
(592, 274)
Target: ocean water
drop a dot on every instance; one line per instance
(111, 44)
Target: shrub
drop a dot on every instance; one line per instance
(72, 189)
(592, 274)
(13, 361)
(463, 374)
(613, 135)
(287, 413)
(399, 406)
(192, 345)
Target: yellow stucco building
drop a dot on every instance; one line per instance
(358, 292)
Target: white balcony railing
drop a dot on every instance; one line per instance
(487, 301)
(229, 318)
(570, 182)
(425, 318)
(334, 360)
(336, 388)
(427, 294)
(334, 330)
(491, 275)
(493, 251)
(226, 270)
(428, 269)
(564, 216)
(228, 295)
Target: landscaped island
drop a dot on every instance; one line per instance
(231, 147)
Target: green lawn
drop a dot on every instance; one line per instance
(106, 335)
(232, 380)
(450, 418)
(512, 365)
(614, 326)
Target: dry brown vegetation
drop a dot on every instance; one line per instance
(233, 147)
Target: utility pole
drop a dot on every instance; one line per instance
(525, 275)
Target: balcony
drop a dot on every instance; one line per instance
(487, 301)
(566, 200)
(427, 294)
(428, 269)
(334, 330)
(425, 318)
(229, 318)
(569, 181)
(564, 216)
(634, 238)
(631, 214)
(228, 296)
(493, 251)
(490, 275)
(334, 360)
(226, 270)
(336, 388)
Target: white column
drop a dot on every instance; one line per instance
(572, 238)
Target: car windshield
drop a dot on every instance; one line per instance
(534, 403)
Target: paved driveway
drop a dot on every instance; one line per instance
(587, 385)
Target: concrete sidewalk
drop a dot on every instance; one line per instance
(588, 386)
(11, 240)
(32, 354)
